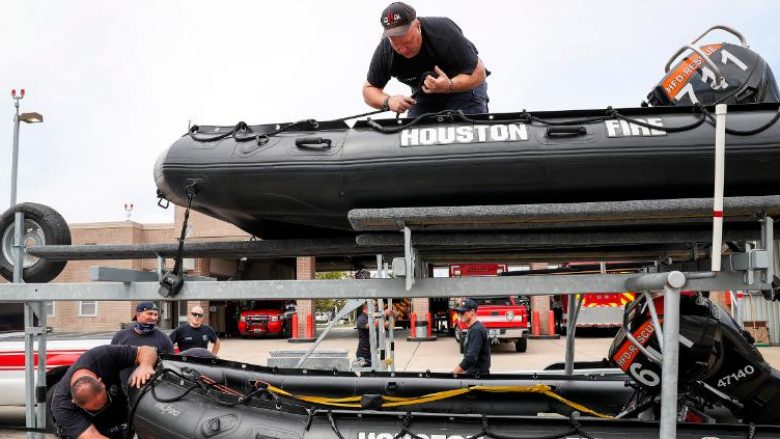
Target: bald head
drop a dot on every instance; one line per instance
(196, 316)
(88, 393)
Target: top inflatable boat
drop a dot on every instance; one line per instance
(301, 179)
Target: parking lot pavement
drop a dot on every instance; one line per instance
(438, 356)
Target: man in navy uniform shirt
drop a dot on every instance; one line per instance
(195, 334)
(476, 353)
(90, 400)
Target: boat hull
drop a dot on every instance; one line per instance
(282, 190)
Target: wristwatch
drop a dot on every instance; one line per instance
(386, 104)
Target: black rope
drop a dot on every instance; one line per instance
(446, 114)
(751, 431)
(698, 108)
(172, 281)
(240, 130)
(749, 132)
(333, 426)
(194, 129)
(405, 428)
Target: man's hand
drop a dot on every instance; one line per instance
(146, 359)
(439, 84)
(141, 375)
(400, 103)
(458, 370)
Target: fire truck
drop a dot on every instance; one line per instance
(506, 318)
(599, 310)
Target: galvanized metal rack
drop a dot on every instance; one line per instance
(669, 236)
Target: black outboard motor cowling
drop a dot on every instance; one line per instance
(712, 74)
(714, 350)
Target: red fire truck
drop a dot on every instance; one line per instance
(599, 310)
(266, 318)
(506, 318)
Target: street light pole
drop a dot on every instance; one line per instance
(35, 410)
(15, 159)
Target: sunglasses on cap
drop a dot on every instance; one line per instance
(197, 314)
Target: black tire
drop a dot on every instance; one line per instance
(521, 345)
(44, 226)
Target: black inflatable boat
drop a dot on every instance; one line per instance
(301, 179)
(201, 398)
(726, 389)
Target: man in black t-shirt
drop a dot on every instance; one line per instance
(89, 401)
(143, 331)
(195, 334)
(430, 55)
(476, 353)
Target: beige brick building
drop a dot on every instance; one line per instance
(98, 315)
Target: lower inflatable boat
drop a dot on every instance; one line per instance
(196, 398)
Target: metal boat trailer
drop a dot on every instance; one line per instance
(670, 236)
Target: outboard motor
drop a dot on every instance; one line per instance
(719, 366)
(722, 73)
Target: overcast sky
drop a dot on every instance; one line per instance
(118, 81)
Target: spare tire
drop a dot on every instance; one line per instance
(42, 226)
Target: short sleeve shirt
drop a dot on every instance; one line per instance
(156, 339)
(443, 45)
(106, 362)
(188, 337)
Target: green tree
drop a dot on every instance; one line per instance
(328, 305)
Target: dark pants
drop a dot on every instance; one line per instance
(474, 101)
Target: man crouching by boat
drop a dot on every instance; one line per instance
(433, 57)
(89, 401)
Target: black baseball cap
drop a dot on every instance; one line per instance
(145, 306)
(467, 305)
(396, 19)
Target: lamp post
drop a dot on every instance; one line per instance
(34, 418)
(26, 118)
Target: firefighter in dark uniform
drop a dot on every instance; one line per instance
(89, 402)
(476, 354)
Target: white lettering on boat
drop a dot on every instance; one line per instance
(622, 128)
(513, 132)
(385, 435)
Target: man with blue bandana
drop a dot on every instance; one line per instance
(143, 331)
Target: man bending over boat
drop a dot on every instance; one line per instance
(89, 401)
(430, 55)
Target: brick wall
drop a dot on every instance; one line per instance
(110, 315)
(305, 268)
(541, 303)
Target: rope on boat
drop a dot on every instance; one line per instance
(242, 132)
(395, 401)
(204, 382)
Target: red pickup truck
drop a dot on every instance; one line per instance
(506, 318)
(266, 318)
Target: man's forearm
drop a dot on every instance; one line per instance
(215, 348)
(374, 96)
(147, 356)
(467, 81)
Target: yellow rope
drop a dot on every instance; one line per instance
(396, 401)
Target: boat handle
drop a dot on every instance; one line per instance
(566, 131)
(314, 143)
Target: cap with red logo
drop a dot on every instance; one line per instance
(397, 18)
